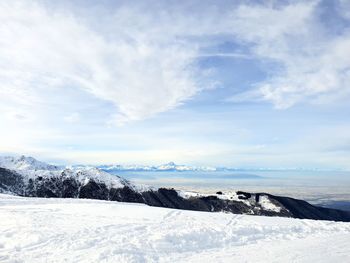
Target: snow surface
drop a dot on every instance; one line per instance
(266, 203)
(80, 230)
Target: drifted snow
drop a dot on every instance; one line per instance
(80, 230)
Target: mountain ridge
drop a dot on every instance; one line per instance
(33, 178)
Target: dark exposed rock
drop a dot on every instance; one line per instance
(11, 181)
(243, 195)
(125, 194)
(50, 187)
(70, 188)
(93, 190)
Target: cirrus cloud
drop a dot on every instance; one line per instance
(145, 62)
(43, 49)
(312, 62)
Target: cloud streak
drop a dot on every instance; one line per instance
(145, 62)
(312, 65)
(41, 49)
(70, 74)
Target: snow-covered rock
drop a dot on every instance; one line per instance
(86, 174)
(34, 170)
(255, 201)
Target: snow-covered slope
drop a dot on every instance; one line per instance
(79, 230)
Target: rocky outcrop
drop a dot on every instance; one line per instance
(11, 182)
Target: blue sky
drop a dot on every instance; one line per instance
(222, 83)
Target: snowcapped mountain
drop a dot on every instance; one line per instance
(25, 176)
(36, 178)
(171, 166)
(30, 168)
(23, 163)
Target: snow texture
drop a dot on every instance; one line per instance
(266, 204)
(80, 230)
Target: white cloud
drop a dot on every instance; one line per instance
(313, 66)
(42, 49)
(72, 118)
(143, 62)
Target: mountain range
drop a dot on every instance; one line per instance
(171, 166)
(26, 176)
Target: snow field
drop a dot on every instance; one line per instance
(78, 230)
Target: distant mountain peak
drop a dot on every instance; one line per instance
(170, 166)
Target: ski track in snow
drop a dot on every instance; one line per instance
(77, 230)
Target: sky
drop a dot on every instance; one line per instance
(219, 83)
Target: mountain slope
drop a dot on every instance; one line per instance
(79, 230)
